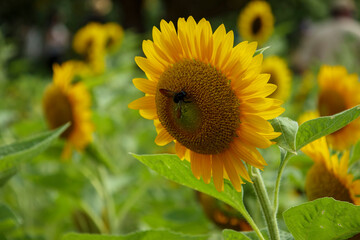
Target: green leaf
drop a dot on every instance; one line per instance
(8, 220)
(171, 167)
(142, 235)
(261, 50)
(288, 129)
(234, 235)
(319, 127)
(13, 154)
(323, 219)
(6, 175)
(355, 156)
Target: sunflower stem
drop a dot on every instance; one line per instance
(249, 219)
(266, 207)
(285, 156)
(95, 153)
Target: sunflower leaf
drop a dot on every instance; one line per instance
(141, 235)
(324, 218)
(322, 126)
(172, 168)
(355, 156)
(8, 220)
(234, 235)
(288, 129)
(261, 50)
(13, 154)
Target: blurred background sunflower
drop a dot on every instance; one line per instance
(256, 22)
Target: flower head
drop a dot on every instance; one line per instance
(256, 22)
(66, 102)
(329, 177)
(339, 91)
(114, 35)
(280, 76)
(209, 97)
(90, 37)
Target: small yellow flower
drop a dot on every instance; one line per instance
(66, 102)
(280, 76)
(89, 38)
(256, 22)
(328, 177)
(339, 91)
(209, 97)
(114, 35)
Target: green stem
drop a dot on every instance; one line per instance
(249, 219)
(266, 207)
(285, 156)
(93, 151)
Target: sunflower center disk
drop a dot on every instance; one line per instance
(321, 183)
(202, 111)
(256, 25)
(330, 103)
(57, 109)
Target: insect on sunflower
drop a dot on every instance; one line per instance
(209, 97)
(66, 102)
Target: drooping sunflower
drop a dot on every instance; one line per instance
(209, 97)
(90, 41)
(280, 76)
(90, 37)
(339, 91)
(256, 22)
(329, 177)
(66, 102)
(114, 35)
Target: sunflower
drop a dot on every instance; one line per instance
(114, 35)
(209, 97)
(280, 76)
(66, 102)
(256, 22)
(339, 91)
(329, 177)
(90, 41)
(92, 36)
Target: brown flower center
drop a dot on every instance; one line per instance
(196, 105)
(256, 25)
(57, 109)
(331, 102)
(322, 183)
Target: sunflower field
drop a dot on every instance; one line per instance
(176, 120)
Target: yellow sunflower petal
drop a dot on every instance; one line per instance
(217, 171)
(147, 102)
(163, 138)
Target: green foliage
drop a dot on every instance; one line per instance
(294, 137)
(8, 221)
(16, 153)
(319, 127)
(355, 156)
(323, 219)
(143, 235)
(171, 167)
(234, 235)
(288, 129)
